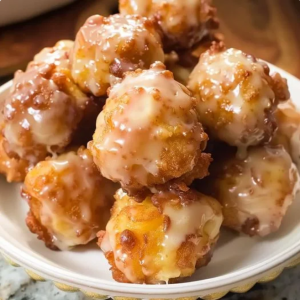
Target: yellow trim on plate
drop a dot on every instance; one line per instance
(34, 276)
(244, 288)
(273, 274)
(94, 295)
(65, 287)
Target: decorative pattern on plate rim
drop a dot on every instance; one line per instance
(271, 275)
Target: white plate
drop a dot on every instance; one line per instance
(237, 259)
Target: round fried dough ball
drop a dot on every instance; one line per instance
(108, 47)
(60, 56)
(257, 191)
(237, 96)
(44, 108)
(288, 131)
(148, 132)
(183, 23)
(69, 200)
(162, 239)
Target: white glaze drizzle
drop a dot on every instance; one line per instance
(234, 84)
(142, 124)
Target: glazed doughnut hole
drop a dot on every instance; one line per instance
(237, 96)
(42, 113)
(13, 168)
(105, 48)
(69, 200)
(162, 239)
(183, 23)
(148, 132)
(255, 192)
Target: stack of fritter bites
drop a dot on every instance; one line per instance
(147, 152)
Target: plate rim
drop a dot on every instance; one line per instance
(243, 286)
(196, 286)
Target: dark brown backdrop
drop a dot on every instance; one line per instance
(268, 29)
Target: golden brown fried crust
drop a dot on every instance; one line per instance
(38, 95)
(185, 255)
(14, 169)
(205, 260)
(278, 83)
(200, 170)
(185, 36)
(172, 191)
(179, 149)
(37, 228)
(181, 33)
(116, 273)
(103, 41)
(76, 208)
(138, 233)
(280, 87)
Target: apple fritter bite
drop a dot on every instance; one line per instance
(106, 47)
(69, 200)
(42, 113)
(162, 239)
(148, 132)
(237, 96)
(183, 23)
(256, 191)
(288, 131)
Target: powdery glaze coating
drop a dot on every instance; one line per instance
(237, 96)
(69, 200)
(107, 47)
(58, 55)
(148, 132)
(160, 241)
(257, 191)
(184, 23)
(288, 131)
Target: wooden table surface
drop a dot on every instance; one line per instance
(268, 29)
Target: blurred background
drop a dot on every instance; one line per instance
(268, 29)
